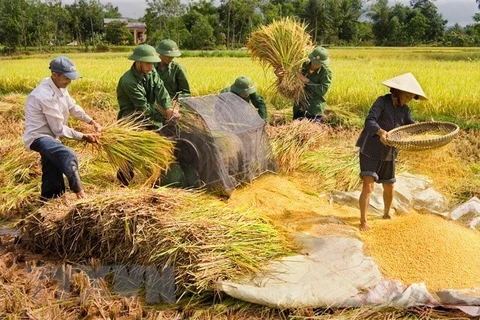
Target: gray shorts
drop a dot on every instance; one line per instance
(381, 171)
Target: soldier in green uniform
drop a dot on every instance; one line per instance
(317, 77)
(141, 91)
(173, 74)
(246, 89)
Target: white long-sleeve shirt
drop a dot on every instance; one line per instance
(47, 111)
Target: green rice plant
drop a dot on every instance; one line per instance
(283, 44)
(128, 146)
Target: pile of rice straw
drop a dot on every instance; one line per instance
(283, 43)
(203, 239)
(291, 141)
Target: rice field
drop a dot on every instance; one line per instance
(325, 158)
(449, 77)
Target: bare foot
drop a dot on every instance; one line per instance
(81, 194)
(387, 216)
(364, 226)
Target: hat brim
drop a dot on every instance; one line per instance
(150, 59)
(325, 62)
(72, 75)
(418, 95)
(248, 91)
(171, 54)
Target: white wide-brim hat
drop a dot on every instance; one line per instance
(406, 82)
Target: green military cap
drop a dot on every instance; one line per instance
(319, 55)
(168, 48)
(243, 85)
(145, 53)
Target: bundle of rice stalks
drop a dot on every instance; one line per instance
(283, 43)
(98, 100)
(12, 106)
(290, 142)
(19, 173)
(337, 169)
(204, 240)
(341, 115)
(128, 146)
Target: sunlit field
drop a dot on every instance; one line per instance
(212, 238)
(449, 77)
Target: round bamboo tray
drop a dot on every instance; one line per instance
(422, 135)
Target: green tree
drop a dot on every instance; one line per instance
(164, 20)
(416, 28)
(379, 12)
(206, 9)
(117, 33)
(343, 19)
(315, 15)
(111, 11)
(238, 19)
(201, 35)
(87, 19)
(62, 19)
(456, 36)
(14, 23)
(436, 23)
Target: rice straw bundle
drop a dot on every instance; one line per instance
(11, 106)
(283, 43)
(128, 146)
(291, 141)
(19, 173)
(203, 239)
(337, 168)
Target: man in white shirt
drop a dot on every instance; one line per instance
(47, 110)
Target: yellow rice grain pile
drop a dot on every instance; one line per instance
(426, 248)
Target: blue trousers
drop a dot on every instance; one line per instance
(57, 160)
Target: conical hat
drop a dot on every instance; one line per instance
(406, 82)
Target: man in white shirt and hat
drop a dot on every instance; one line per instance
(377, 158)
(47, 110)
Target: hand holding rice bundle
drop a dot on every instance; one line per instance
(284, 45)
(129, 146)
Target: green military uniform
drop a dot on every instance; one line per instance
(313, 106)
(174, 77)
(246, 89)
(257, 101)
(142, 93)
(314, 103)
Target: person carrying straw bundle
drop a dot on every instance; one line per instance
(377, 158)
(317, 79)
(47, 111)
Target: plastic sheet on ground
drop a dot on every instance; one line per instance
(468, 297)
(411, 191)
(331, 271)
(471, 206)
(394, 294)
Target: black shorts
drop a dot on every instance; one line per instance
(381, 171)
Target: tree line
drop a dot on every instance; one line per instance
(201, 24)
